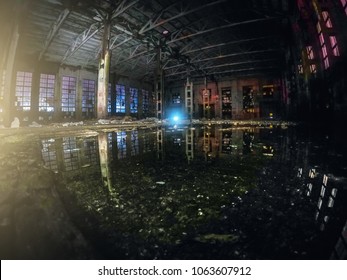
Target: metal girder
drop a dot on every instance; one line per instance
(82, 38)
(239, 63)
(225, 44)
(224, 65)
(158, 21)
(223, 56)
(122, 7)
(54, 30)
(96, 27)
(229, 25)
(113, 44)
(254, 68)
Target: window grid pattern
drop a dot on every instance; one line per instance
(109, 99)
(70, 153)
(145, 101)
(133, 100)
(49, 154)
(323, 46)
(334, 47)
(68, 101)
(90, 151)
(46, 96)
(300, 69)
(120, 99)
(122, 144)
(313, 68)
(327, 20)
(134, 142)
(310, 53)
(176, 98)
(88, 97)
(23, 90)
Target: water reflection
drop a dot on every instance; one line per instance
(205, 192)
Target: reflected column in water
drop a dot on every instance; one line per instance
(104, 162)
(190, 143)
(160, 143)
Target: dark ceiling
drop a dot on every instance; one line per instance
(206, 38)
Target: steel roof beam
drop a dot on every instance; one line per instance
(122, 7)
(82, 38)
(225, 65)
(223, 56)
(158, 21)
(96, 27)
(234, 24)
(54, 30)
(227, 43)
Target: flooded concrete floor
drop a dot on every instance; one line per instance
(198, 192)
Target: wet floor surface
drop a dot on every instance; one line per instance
(203, 192)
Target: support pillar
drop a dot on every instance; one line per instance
(7, 97)
(79, 93)
(35, 95)
(206, 101)
(189, 98)
(207, 142)
(160, 143)
(159, 86)
(104, 73)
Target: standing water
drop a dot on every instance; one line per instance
(202, 192)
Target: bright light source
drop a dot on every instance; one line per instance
(176, 118)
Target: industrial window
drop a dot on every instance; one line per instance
(49, 154)
(323, 46)
(90, 151)
(71, 159)
(327, 20)
(109, 99)
(23, 90)
(268, 91)
(145, 101)
(120, 99)
(46, 98)
(134, 142)
(133, 100)
(68, 97)
(334, 46)
(313, 68)
(310, 53)
(88, 97)
(300, 69)
(176, 98)
(344, 5)
(248, 99)
(122, 144)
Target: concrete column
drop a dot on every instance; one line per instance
(189, 99)
(104, 73)
(35, 93)
(159, 86)
(8, 97)
(79, 93)
(57, 97)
